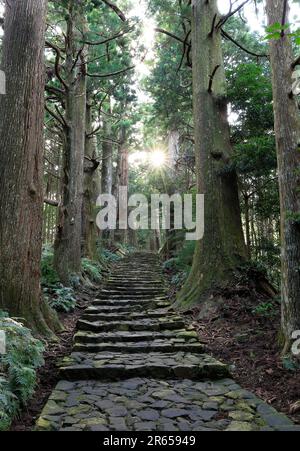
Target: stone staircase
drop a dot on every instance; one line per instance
(136, 366)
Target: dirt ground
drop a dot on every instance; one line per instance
(242, 335)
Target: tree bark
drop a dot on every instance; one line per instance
(223, 247)
(287, 130)
(21, 168)
(67, 257)
(90, 192)
(107, 159)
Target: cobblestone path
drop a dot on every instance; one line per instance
(135, 366)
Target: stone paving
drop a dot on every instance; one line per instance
(136, 367)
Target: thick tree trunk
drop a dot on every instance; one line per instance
(68, 240)
(247, 224)
(107, 159)
(287, 130)
(90, 192)
(223, 247)
(21, 167)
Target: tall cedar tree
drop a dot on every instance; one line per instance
(287, 131)
(223, 247)
(21, 168)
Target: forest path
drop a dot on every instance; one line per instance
(137, 367)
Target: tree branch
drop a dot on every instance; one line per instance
(53, 203)
(107, 40)
(227, 36)
(296, 62)
(171, 35)
(112, 74)
(284, 14)
(211, 78)
(57, 61)
(115, 9)
(231, 13)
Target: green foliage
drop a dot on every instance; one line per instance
(60, 298)
(92, 270)
(109, 256)
(179, 279)
(293, 217)
(181, 265)
(290, 364)
(24, 354)
(276, 31)
(49, 275)
(266, 309)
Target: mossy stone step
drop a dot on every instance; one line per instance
(178, 336)
(130, 308)
(114, 295)
(159, 302)
(134, 286)
(119, 366)
(95, 314)
(161, 346)
(131, 292)
(141, 325)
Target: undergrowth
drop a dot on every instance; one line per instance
(24, 354)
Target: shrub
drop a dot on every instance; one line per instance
(266, 309)
(109, 256)
(24, 354)
(60, 298)
(92, 270)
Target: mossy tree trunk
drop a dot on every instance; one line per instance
(67, 257)
(21, 167)
(287, 130)
(223, 247)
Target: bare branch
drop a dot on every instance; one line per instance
(112, 74)
(115, 9)
(53, 203)
(171, 35)
(230, 38)
(231, 13)
(211, 78)
(57, 61)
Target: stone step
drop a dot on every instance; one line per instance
(131, 291)
(134, 278)
(95, 314)
(138, 272)
(181, 336)
(141, 325)
(130, 307)
(159, 303)
(117, 285)
(139, 347)
(120, 366)
(129, 298)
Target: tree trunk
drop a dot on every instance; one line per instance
(247, 224)
(223, 247)
(21, 168)
(68, 240)
(107, 159)
(90, 192)
(287, 130)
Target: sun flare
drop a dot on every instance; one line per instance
(157, 159)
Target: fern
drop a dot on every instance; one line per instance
(24, 354)
(92, 270)
(60, 298)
